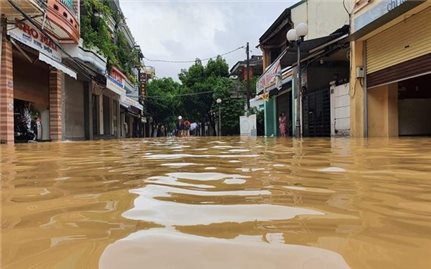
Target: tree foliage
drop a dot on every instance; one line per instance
(195, 98)
(96, 34)
(231, 109)
(163, 103)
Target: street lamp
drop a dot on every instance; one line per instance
(219, 116)
(297, 35)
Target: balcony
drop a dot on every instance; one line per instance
(89, 56)
(33, 8)
(130, 39)
(62, 16)
(64, 20)
(131, 90)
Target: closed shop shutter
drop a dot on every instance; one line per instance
(402, 42)
(316, 111)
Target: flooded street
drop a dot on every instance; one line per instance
(217, 203)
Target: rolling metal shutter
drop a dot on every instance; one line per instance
(402, 42)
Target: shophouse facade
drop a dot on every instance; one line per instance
(32, 72)
(391, 74)
(53, 86)
(325, 65)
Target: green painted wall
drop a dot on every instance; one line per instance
(270, 117)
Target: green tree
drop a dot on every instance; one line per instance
(198, 82)
(195, 98)
(162, 102)
(231, 108)
(114, 46)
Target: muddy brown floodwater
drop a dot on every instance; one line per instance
(217, 203)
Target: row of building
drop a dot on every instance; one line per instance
(365, 69)
(55, 86)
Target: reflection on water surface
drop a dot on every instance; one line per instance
(211, 203)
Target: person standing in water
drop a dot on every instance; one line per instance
(282, 124)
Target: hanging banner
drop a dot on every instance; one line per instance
(269, 76)
(32, 37)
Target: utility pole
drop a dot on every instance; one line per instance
(248, 77)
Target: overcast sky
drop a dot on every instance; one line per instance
(186, 30)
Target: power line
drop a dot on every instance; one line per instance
(179, 95)
(192, 61)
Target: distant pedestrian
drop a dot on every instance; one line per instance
(187, 127)
(162, 131)
(155, 130)
(282, 122)
(206, 129)
(125, 128)
(193, 128)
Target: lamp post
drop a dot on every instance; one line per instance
(219, 116)
(297, 35)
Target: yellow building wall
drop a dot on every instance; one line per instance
(383, 111)
(356, 91)
(383, 104)
(404, 41)
(266, 58)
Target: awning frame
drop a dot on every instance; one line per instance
(57, 65)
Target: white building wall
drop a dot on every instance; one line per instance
(322, 16)
(299, 14)
(340, 110)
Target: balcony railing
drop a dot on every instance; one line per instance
(64, 19)
(70, 5)
(132, 90)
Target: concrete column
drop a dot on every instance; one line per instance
(6, 94)
(100, 102)
(393, 129)
(111, 116)
(357, 104)
(383, 111)
(118, 120)
(55, 105)
(88, 112)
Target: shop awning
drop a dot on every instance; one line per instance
(133, 113)
(311, 48)
(128, 102)
(59, 66)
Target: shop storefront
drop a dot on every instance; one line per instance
(81, 95)
(75, 103)
(32, 109)
(131, 123)
(396, 57)
(106, 109)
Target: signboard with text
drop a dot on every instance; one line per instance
(32, 37)
(375, 12)
(268, 77)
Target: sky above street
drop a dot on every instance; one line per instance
(186, 30)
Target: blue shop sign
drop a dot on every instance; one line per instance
(382, 8)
